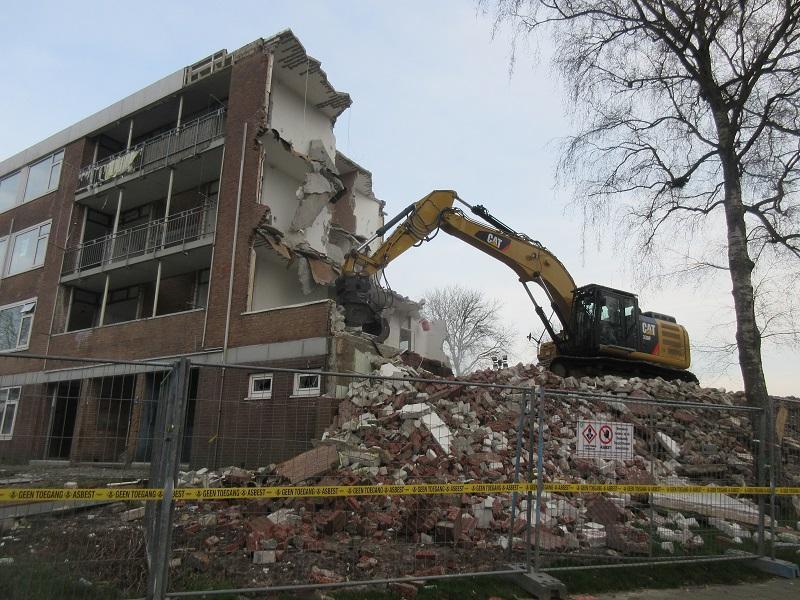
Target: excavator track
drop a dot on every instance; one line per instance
(593, 366)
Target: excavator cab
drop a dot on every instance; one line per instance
(603, 316)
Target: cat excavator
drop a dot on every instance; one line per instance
(602, 329)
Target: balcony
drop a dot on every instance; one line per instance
(165, 149)
(177, 234)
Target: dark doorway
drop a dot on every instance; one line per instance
(64, 407)
(114, 404)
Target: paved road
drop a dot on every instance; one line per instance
(774, 589)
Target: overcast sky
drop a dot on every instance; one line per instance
(434, 108)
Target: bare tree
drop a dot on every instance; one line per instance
(474, 332)
(688, 118)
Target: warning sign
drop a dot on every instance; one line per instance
(600, 439)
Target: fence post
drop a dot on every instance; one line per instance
(164, 464)
(539, 476)
(761, 480)
(528, 480)
(517, 467)
(774, 471)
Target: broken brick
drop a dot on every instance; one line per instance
(309, 464)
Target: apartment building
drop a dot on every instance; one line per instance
(205, 215)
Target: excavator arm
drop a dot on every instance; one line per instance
(357, 288)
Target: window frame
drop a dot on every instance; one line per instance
(298, 392)
(30, 315)
(259, 395)
(24, 180)
(20, 185)
(6, 403)
(12, 242)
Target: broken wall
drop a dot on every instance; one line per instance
(277, 282)
(320, 204)
(298, 120)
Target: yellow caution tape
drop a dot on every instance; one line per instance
(24, 495)
(72, 495)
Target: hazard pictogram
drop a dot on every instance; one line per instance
(606, 435)
(589, 433)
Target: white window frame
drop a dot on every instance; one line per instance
(252, 394)
(30, 305)
(305, 392)
(24, 176)
(12, 240)
(7, 390)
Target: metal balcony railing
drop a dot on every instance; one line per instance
(156, 152)
(160, 234)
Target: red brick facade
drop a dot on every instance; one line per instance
(248, 432)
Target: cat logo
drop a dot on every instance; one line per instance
(649, 328)
(494, 240)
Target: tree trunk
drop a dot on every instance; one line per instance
(748, 337)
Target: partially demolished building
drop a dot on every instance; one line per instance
(205, 215)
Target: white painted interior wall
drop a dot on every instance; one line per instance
(275, 285)
(297, 125)
(368, 214)
(279, 192)
(425, 343)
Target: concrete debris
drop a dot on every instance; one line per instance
(132, 514)
(440, 432)
(670, 445)
(264, 557)
(399, 432)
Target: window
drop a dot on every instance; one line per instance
(9, 399)
(28, 248)
(43, 176)
(3, 248)
(306, 385)
(31, 182)
(260, 386)
(9, 190)
(15, 325)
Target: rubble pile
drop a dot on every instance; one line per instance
(399, 432)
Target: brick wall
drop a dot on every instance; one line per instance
(162, 336)
(41, 283)
(255, 433)
(281, 324)
(246, 105)
(30, 428)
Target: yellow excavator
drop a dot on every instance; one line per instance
(603, 331)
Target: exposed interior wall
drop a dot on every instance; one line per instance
(368, 213)
(298, 121)
(279, 192)
(428, 340)
(409, 331)
(276, 282)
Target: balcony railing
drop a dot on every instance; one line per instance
(172, 232)
(156, 152)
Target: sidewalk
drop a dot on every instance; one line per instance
(774, 589)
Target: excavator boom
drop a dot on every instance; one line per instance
(529, 259)
(607, 322)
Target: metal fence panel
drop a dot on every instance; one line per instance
(414, 478)
(645, 441)
(785, 458)
(58, 440)
(262, 427)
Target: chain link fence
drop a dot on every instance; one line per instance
(784, 456)
(157, 479)
(596, 439)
